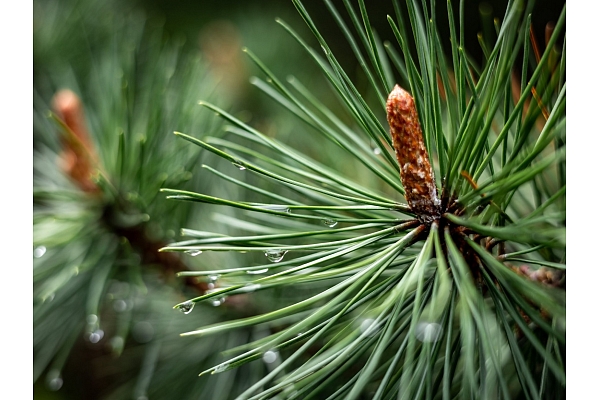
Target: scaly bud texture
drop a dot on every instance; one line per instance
(415, 169)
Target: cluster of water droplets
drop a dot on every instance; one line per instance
(96, 336)
(214, 301)
(212, 280)
(93, 333)
(275, 255)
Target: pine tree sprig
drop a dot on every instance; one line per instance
(446, 293)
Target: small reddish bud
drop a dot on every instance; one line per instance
(78, 155)
(416, 173)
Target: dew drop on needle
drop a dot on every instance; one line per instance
(275, 255)
(186, 307)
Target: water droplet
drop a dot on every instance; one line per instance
(193, 253)
(117, 343)
(54, 380)
(187, 307)
(119, 305)
(239, 165)
(39, 251)
(275, 255)
(376, 150)
(212, 280)
(274, 207)
(428, 331)
(251, 287)
(257, 271)
(270, 356)
(91, 319)
(96, 336)
(330, 222)
(217, 301)
(220, 368)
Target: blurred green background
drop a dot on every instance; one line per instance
(219, 29)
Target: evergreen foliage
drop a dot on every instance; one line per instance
(379, 298)
(334, 277)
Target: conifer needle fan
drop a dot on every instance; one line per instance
(427, 261)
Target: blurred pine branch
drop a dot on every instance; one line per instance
(110, 88)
